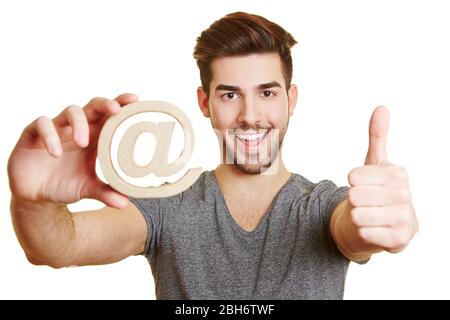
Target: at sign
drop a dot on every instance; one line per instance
(159, 164)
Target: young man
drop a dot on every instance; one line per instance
(236, 232)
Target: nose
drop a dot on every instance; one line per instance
(250, 113)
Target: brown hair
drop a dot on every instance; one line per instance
(242, 33)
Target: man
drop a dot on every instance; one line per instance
(237, 232)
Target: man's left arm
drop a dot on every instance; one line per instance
(378, 214)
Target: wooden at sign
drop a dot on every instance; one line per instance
(159, 164)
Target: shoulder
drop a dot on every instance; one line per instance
(197, 191)
(304, 188)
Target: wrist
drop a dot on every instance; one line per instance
(345, 235)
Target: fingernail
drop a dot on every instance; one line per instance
(55, 149)
(82, 139)
(124, 202)
(115, 107)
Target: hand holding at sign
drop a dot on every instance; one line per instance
(378, 214)
(54, 159)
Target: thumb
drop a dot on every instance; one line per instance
(96, 189)
(378, 130)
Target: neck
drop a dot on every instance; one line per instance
(232, 180)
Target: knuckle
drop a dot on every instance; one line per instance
(352, 196)
(111, 103)
(94, 100)
(390, 172)
(416, 225)
(101, 104)
(402, 173)
(363, 234)
(385, 171)
(403, 194)
(400, 220)
(401, 239)
(72, 109)
(402, 183)
(403, 217)
(392, 248)
(97, 100)
(355, 216)
(42, 120)
(398, 172)
(353, 176)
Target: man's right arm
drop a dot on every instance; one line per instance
(52, 165)
(51, 235)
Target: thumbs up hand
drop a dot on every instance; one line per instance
(379, 200)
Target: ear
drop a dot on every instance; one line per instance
(292, 98)
(202, 98)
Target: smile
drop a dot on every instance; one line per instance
(251, 138)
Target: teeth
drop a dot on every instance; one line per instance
(251, 137)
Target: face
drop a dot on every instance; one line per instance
(249, 107)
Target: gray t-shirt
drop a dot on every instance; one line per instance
(197, 251)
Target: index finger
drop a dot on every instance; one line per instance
(99, 107)
(126, 98)
(369, 175)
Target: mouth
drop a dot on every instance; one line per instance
(251, 139)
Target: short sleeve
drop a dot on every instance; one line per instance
(330, 196)
(151, 210)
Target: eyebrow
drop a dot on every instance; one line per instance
(269, 85)
(227, 87)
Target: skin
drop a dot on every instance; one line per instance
(56, 158)
(251, 104)
(52, 165)
(378, 213)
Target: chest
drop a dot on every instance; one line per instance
(248, 212)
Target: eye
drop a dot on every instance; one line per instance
(268, 93)
(231, 96)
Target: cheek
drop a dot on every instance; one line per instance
(223, 118)
(277, 116)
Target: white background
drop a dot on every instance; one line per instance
(351, 56)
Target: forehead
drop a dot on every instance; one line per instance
(248, 70)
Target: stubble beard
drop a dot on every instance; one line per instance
(260, 163)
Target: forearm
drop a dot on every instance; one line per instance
(346, 235)
(45, 231)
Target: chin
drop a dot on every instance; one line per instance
(252, 168)
(249, 168)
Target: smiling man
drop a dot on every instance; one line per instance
(250, 229)
(251, 136)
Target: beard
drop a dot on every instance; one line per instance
(253, 159)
